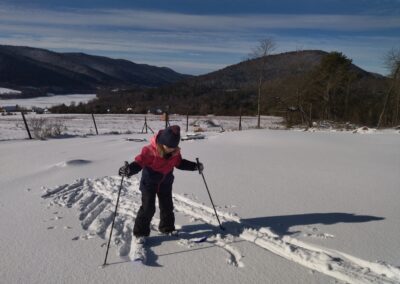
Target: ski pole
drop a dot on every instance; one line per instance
(115, 214)
(208, 191)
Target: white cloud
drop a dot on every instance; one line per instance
(177, 21)
(123, 41)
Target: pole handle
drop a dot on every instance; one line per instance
(198, 162)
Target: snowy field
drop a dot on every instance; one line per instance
(5, 91)
(46, 102)
(12, 126)
(298, 207)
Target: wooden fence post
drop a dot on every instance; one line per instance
(26, 125)
(166, 119)
(240, 120)
(187, 122)
(145, 122)
(146, 126)
(95, 126)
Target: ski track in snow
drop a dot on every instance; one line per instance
(95, 200)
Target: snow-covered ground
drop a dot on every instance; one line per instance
(298, 207)
(5, 91)
(49, 101)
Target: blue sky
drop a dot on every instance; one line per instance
(200, 36)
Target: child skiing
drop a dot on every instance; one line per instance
(157, 162)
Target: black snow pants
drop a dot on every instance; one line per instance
(146, 212)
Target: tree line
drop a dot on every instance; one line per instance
(334, 90)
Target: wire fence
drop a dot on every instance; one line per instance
(41, 126)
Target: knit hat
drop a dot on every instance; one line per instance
(170, 136)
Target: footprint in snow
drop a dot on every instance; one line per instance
(88, 236)
(56, 218)
(50, 228)
(84, 237)
(314, 234)
(73, 163)
(320, 236)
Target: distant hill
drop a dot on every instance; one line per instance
(33, 68)
(279, 66)
(301, 85)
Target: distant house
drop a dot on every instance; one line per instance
(155, 111)
(40, 110)
(10, 108)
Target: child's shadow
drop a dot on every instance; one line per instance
(281, 224)
(278, 224)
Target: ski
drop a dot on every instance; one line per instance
(199, 240)
(180, 235)
(174, 233)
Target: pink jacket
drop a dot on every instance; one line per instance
(149, 157)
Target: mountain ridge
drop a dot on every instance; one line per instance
(27, 67)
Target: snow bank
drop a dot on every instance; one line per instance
(364, 130)
(5, 91)
(49, 101)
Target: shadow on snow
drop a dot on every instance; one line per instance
(278, 224)
(281, 224)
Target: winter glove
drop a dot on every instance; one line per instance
(187, 165)
(125, 170)
(200, 167)
(129, 170)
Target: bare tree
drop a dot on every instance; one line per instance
(392, 62)
(261, 51)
